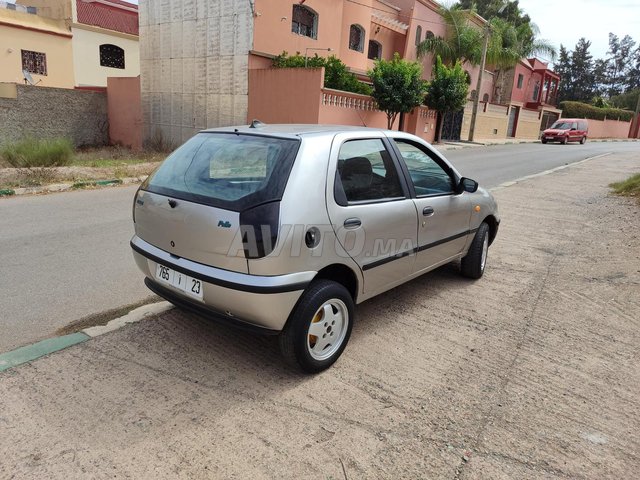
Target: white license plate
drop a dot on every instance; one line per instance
(188, 285)
(550, 138)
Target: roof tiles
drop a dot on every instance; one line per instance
(110, 17)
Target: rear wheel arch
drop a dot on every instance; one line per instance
(341, 274)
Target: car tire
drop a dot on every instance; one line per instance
(327, 309)
(473, 264)
(544, 140)
(564, 140)
(583, 140)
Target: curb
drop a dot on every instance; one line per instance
(64, 187)
(32, 352)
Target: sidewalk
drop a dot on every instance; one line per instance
(530, 372)
(452, 145)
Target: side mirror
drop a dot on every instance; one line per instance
(467, 185)
(574, 128)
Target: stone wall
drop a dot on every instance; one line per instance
(45, 112)
(194, 58)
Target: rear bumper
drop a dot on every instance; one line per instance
(264, 302)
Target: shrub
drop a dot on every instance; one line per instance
(584, 110)
(630, 186)
(38, 153)
(336, 74)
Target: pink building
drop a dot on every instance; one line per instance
(205, 64)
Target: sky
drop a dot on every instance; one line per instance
(565, 21)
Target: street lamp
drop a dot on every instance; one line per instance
(310, 48)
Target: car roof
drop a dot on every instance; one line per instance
(294, 130)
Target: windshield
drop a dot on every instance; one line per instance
(562, 126)
(226, 170)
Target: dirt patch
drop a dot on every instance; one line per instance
(11, 177)
(531, 372)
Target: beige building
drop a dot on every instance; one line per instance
(104, 37)
(40, 46)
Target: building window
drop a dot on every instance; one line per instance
(520, 80)
(111, 56)
(34, 62)
(375, 50)
(356, 38)
(485, 98)
(536, 92)
(418, 35)
(429, 34)
(304, 21)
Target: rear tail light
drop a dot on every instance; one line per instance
(259, 227)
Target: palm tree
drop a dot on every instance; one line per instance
(463, 41)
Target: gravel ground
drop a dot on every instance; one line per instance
(531, 372)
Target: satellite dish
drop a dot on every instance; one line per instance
(29, 79)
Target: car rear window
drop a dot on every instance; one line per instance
(226, 170)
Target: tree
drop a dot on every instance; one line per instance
(397, 86)
(562, 67)
(462, 41)
(447, 91)
(619, 63)
(582, 87)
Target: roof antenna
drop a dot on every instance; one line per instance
(257, 124)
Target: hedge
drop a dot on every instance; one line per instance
(584, 110)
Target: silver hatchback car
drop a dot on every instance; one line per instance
(284, 228)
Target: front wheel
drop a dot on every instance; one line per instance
(543, 140)
(583, 140)
(564, 140)
(319, 327)
(473, 263)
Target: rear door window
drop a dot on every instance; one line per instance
(366, 173)
(226, 170)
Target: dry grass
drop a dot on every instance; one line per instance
(90, 164)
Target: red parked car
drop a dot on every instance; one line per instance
(566, 130)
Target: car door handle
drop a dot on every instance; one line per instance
(352, 223)
(428, 211)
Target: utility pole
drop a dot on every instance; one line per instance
(636, 120)
(476, 100)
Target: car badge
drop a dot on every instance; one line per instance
(225, 224)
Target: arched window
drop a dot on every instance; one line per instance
(111, 56)
(429, 34)
(356, 38)
(418, 35)
(375, 50)
(304, 21)
(485, 98)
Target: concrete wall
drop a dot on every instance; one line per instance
(608, 129)
(23, 31)
(491, 122)
(59, 9)
(286, 95)
(55, 112)
(86, 55)
(125, 112)
(296, 95)
(193, 65)
(528, 124)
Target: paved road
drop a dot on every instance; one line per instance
(66, 256)
(530, 373)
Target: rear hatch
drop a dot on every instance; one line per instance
(199, 203)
